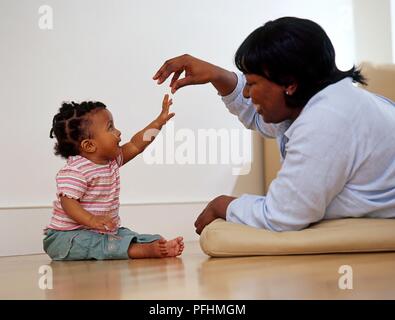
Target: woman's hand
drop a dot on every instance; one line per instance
(215, 209)
(196, 72)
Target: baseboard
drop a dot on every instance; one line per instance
(21, 229)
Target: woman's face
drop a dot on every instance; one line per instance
(268, 99)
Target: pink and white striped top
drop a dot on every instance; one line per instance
(96, 187)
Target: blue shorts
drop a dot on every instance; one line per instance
(87, 245)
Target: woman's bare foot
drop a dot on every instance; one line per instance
(157, 249)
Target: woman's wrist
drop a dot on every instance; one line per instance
(221, 204)
(223, 80)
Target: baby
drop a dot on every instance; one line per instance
(85, 223)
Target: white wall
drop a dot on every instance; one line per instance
(372, 23)
(108, 51)
(393, 29)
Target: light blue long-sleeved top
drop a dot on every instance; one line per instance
(338, 160)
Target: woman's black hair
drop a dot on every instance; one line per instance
(70, 126)
(293, 50)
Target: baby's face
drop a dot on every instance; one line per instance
(105, 135)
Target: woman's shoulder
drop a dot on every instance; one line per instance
(343, 93)
(340, 101)
(345, 100)
(326, 114)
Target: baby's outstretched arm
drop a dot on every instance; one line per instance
(143, 138)
(73, 208)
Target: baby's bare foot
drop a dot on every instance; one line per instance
(172, 248)
(157, 249)
(146, 250)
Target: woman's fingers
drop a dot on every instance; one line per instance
(170, 66)
(196, 72)
(160, 74)
(181, 83)
(205, 218)
(200, 221)
(198, 218)
(175, 77)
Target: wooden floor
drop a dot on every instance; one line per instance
(196, 276)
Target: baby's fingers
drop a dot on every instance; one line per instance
(166, 102)
(108, 223)
(112, 222)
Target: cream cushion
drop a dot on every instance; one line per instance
(381, 78)
(226, 239)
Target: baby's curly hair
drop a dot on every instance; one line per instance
(70, 126)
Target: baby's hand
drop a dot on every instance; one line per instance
(165, 115)
(103, 223)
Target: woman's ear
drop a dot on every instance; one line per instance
(88, 146)
(290, 90)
